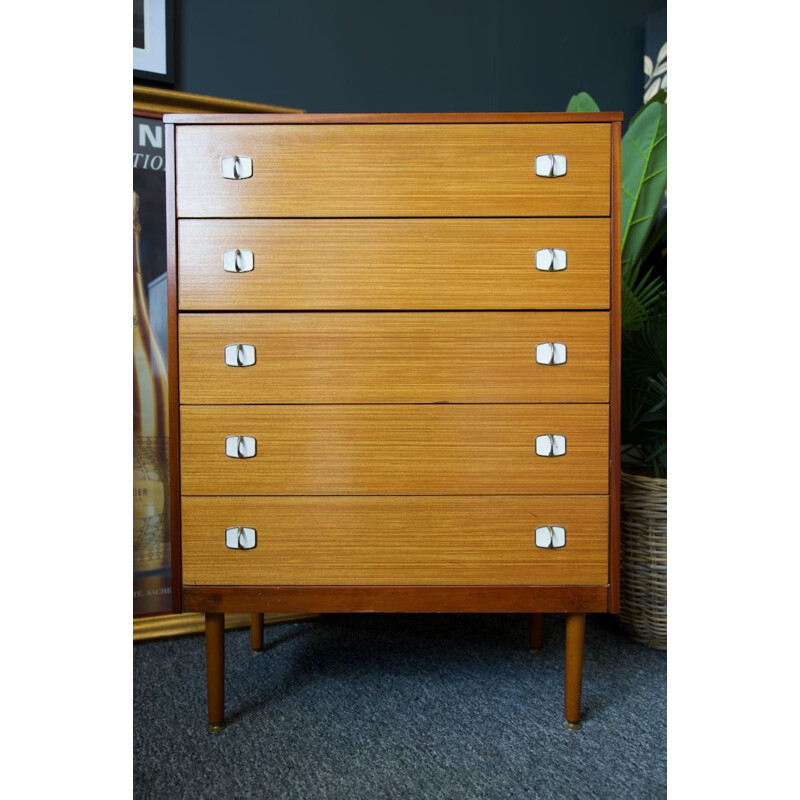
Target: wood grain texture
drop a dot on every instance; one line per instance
(396, 170)
(448, 118)
(536, 631)
(257, 632)
(172, 373)
(215, 667)
(395, 540)
(401, 599)
(573, 666)
(427, 357)
(394, 449)
(374, 264)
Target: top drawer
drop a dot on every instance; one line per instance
(393, 170)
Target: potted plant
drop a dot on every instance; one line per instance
(643, 600)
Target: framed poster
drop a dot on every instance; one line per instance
(151, 592)
(153, 26)
(152, 597)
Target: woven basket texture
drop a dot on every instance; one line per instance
(643, 559)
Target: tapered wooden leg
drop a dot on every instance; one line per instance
(215, 671)
(537, 631)
(576, 626)
(256, 633)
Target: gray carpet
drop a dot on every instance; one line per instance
(361, 707)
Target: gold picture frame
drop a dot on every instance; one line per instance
(151, 101)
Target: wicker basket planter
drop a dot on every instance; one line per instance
(643, 579)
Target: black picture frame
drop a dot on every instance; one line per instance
(168, 75)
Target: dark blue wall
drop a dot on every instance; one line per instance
(414, 55)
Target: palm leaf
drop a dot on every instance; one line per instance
(644, 392)
(654, 400)
(644, 422)
(641, 294)
(645, 350)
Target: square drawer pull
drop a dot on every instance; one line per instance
(240, 355)
(240, 446)
(236, 168)
(551, 445)
(551, 259)
(237, 260)
(551, 536)
(551, 353)
(551, 165)
(240, 538)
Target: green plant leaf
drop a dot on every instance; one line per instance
(654, 399)
(641, 294)
(644, 352)
(644, 178)
(657, 232)
(644, 423)
(644, 311)
(581, 103)
(658, 97)
(644, 394)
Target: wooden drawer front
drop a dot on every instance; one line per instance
(424, 357)
(395, 540)
(393, 264)
(394, 449)
(393, 170)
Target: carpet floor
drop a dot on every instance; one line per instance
(362, 707)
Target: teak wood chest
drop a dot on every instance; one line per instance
(394, 368)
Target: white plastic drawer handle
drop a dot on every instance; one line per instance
(551, 165)
(551, 353)
(240, 447)
(237, 260)
(550, 536)
(240, 355)
(551, 445)
(236, 168)
(240, 538)
(551, 259)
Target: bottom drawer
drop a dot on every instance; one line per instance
(447, 541)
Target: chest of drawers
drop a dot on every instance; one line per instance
(394, 367)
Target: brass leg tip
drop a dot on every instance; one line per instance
(572, 726)
(254, 653)
(212, 728)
